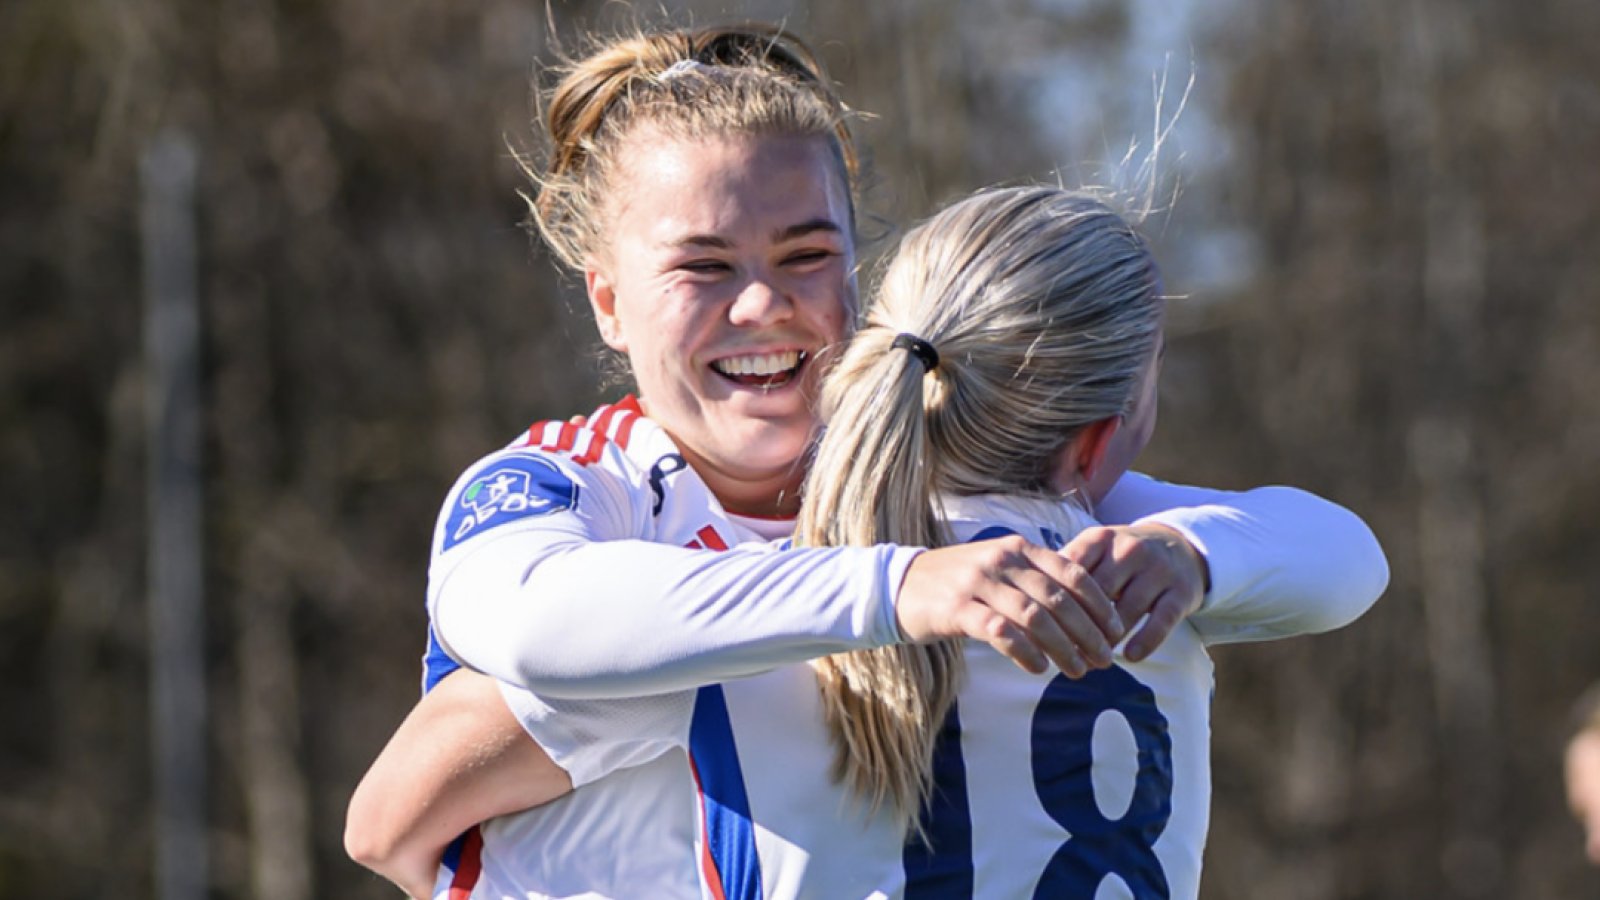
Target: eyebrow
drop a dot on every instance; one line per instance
(807, 227)
(797, 230)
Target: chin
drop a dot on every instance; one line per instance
(772, 443)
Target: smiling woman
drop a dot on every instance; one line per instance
(739, 273)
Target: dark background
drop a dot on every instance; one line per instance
(1386, 233)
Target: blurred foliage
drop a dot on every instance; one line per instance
(1404, 320)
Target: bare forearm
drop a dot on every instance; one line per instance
(458, 759)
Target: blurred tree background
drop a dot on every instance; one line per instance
(1386, 237)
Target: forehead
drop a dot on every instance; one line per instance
(737, 186)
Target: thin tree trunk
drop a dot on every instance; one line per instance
(176, 610)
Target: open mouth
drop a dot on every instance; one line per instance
(763, 370)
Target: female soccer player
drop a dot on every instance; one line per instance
(702, 271)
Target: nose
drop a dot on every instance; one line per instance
(761, 302)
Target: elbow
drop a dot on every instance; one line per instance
(366, 841)
(1372, 578)
(377, 833)
(384, 851)
(1358, 596)
(1361, 571)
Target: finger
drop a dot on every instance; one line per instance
(983, 624)
(1165, 614)
(1113, 566)
(1076, 666)
(1090, 547)
(1081, 637)
(1091, 597)
(1141, 593)
(1113, 576)
(1033, 612)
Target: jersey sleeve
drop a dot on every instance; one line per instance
(1283, 561)
(561, 591)
(592, 738)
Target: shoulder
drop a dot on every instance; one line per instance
(1047, 522)
(553, 468)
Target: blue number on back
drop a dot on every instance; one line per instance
(1063, 726)
(1063, 732)
(1063, 761)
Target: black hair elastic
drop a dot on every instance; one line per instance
(919, 348)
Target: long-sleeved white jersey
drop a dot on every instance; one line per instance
(723, 791)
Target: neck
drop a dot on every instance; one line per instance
(773, 494)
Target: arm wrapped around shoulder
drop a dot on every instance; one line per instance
(1283, 562)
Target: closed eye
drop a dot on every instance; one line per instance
(807, 257)
(705, 266)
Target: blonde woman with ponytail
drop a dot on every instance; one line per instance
(1012, 345)
(684, 745)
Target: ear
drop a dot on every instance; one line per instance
(1077, 462)
(603, 300)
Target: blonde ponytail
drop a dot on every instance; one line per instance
(1043, 308)
(877, 702)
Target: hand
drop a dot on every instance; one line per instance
(1025, 601)
(1149, 569)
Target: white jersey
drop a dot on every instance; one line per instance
(547, 550)
(610, 517)
(1054, 787)
(724, 791)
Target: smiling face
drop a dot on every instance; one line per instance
(729, 266)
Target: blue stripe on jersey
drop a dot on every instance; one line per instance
(730, 835)
(942, 867)
(993, 531)
(452, 854)
(436, 663)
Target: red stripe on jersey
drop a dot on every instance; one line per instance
(601, 423)
(470, 867)
(597, 444)
(568, 438)
(536, 432)
(625, 430)
(629, 412)
(708, 866)
(711, 538)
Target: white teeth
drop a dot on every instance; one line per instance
(763, 364)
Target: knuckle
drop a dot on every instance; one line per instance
(993, 629)
(1095, 534)
(1032, 617)
(1012, 545)
(1165, 614)
(1077, 579)
(1128, 548)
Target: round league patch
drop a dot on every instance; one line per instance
(507, 488)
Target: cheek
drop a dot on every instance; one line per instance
(834, 308)
(661, 321)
